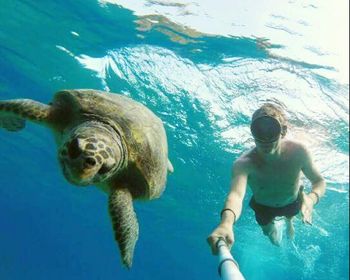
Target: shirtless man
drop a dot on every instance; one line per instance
(272, 169)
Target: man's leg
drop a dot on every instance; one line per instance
(274, 234)
(290, 227)
(266, 219)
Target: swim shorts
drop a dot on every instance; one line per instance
(265, 214)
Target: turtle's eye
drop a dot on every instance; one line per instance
(73, 149)
(63, 152)
(90, 162)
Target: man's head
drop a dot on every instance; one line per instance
(268, 126)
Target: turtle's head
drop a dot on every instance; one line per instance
(91, 153)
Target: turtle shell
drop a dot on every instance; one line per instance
(142, 131)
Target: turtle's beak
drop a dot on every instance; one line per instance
(82, 172)
(86, 174)
(89, 168)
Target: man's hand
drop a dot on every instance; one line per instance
(222, 231)
(307, 207)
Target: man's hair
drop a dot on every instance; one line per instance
(274, 111)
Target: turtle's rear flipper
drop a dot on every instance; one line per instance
(11, 123)
(170, 167)
(125, 225)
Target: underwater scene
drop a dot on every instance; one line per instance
(203, 67)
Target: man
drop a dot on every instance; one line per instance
(272, 169)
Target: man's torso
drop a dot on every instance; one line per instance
(275, 183)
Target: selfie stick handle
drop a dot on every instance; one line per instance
(228, 268)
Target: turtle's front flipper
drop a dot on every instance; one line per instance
(13, 113)
(11, 123)
(125, 225)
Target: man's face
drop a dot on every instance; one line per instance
(267, 148)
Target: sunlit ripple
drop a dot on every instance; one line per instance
(278, 22)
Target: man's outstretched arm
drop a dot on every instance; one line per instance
(232, 208)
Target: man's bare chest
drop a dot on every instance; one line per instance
(283, 174)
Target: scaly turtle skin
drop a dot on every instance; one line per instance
(107, 140)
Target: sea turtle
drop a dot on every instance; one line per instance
(107, 140)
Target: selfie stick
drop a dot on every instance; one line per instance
(228, 267)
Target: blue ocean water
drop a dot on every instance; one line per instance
(203, 68)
